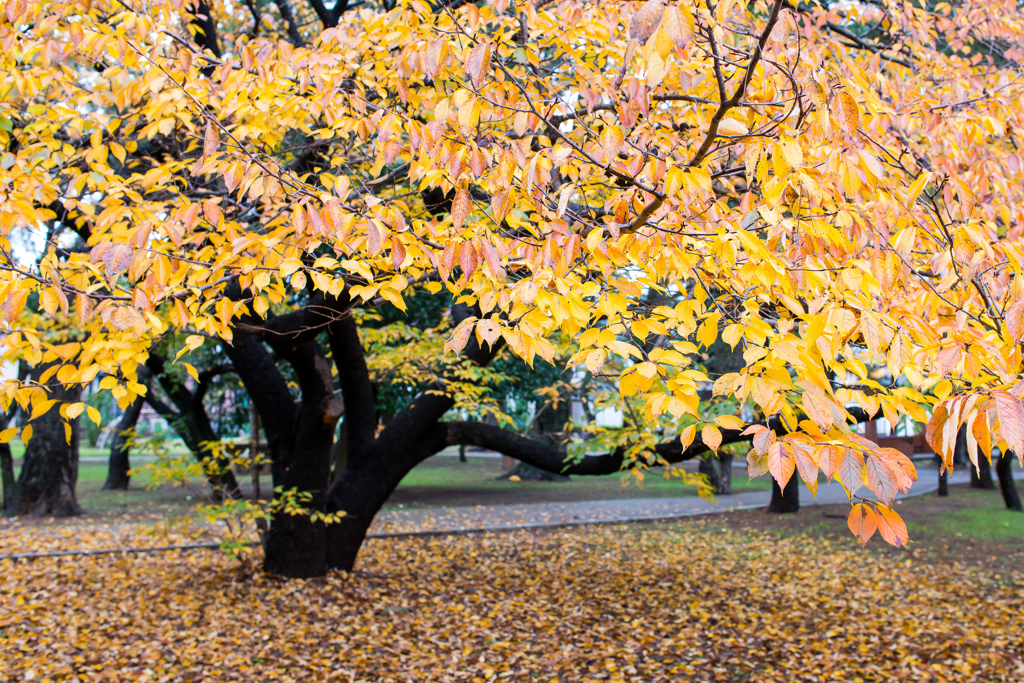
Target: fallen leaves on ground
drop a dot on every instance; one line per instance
(641, 603)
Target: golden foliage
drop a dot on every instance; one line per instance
(834, 207)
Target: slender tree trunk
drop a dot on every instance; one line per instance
(118, 467)
(981, 476)
(711, 469)
(1004, 468)
(49, 473)
(724, 473)
(943, 483)
(785, 502)
(6, 475)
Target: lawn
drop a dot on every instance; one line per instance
(441, 480)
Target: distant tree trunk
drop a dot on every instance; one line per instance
(718, 470)
(49, 472)
(724, 473)
(785, 502)
(1004, 468)
(6, 475)
(118, 466)
(943, 483)
(981, 476)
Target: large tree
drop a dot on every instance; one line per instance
(828, 192)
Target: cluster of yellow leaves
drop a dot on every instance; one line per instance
(641, 179)
(611, 604)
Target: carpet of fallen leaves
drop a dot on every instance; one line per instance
(643, 603)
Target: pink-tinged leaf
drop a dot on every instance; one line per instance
(478, 63)
(460, 337)
(678, 24)
(850, 471)
(756, 464)
(780, 463)
(828, 459)
(645, 20)
(807, 466)
(397, 252)
(436, 53)
(461, 206)
(212, 139)
(117, 258)
(862, 522)
(15, 9)
(892, 527)
(763, 440)
(488, 330)
(902, 467)
(880, 479)
(1011, 420)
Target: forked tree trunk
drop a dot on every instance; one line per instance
(49, 472)
(785, 502)
(1004, 469)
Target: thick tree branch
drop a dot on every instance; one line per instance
(543, 455)
(356, 386)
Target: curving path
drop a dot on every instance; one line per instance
(454, 520)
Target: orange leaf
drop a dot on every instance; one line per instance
(850, 470)
(892, 527)
(1011, 420)
(807, 466)
(478, 63)
(863, 522)
(461, 206)
(880, 479)
(116, 258)
(212, 139)
(780, 463)
(848, 112)
(645, 20)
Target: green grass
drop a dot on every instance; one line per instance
(987, 520)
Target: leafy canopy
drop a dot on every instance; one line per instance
(838, 195)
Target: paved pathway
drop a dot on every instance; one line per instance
(536, 515)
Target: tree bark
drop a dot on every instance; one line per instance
(1004, 469)
(718, 470)
(981, 476)
(49, 472)
(6, 475)
(943, 484)
(119, 466)
(785, 502)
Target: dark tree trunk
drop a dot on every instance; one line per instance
(943, 483)
(6, 475)
(295, 544)
(49, 472)
(785, 502)
(718, 470)
(981, 476)
(118, 467)
(1004, 469)
(710, 468)
(725, 473)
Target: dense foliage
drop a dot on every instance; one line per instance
(832, 191)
